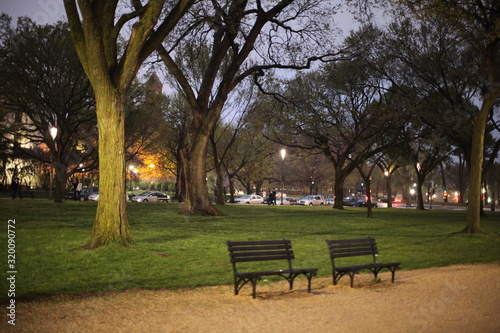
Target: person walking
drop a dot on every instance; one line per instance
(78, 191)
(270, 198)
(16, 188)
(75, 185)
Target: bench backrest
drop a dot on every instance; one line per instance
(352, 248)
(248, 251)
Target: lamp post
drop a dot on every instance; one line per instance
(388, 187)
(283, 154)
(53, 135)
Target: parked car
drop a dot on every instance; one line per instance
(329, 201)
(364, 203)
(394, 200)
(249, 199)
(151, 196)
(94, 196)
(84, 195)
(351, 201)
(312, 200)
(289, 201)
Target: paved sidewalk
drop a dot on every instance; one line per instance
(462, 298)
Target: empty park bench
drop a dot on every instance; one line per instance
(356, 248)
(260, 251)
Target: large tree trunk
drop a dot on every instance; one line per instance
(475, 181)
(197, 199)
(60, 178)
(111, 224)
(420, 194)
(338, 189)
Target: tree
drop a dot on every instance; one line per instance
(479, 21)
(225, 44)
(97, 29)
(43, 85)
(340, 111)
(424, 155)
(248, 162)
(435, 58)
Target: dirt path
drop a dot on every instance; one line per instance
(464, 298)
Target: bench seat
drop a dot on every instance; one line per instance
(357, 248)
(284, 272)
(255, 251)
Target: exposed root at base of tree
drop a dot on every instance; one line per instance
(201, 213)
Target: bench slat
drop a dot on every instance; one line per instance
(260, 253)
(350, 254)
(249, 259)
(247, 243)
(258, 248)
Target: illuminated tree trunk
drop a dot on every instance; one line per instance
(111, 223)
(197, 199)
(475, 181)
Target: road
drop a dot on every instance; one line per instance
(434, 206)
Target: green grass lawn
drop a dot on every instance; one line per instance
(173, 251)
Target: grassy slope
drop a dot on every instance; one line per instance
(173, 251)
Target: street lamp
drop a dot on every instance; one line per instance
(53, 135)
(283, 154)
(388, 189)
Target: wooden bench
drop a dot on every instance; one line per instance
(258, 251)
(356, 248)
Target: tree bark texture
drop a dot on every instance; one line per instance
(339, 190)
(197, 199)
(111, 224)
(475, 178)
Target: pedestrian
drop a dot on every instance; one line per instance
(75, 185)
(78, 191)
(270, 199)
(16, 188)
(274, 198)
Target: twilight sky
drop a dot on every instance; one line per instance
(41, 11)
(50, 11)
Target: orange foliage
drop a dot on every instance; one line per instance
(155, 167)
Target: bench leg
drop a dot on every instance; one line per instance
(337, 277)
(309, 282)
(351, 276)
(393, 271)
(254, 287)
(290, 279)
(240, 283)
(309, 277)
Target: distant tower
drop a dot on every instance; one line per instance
(153, 84)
